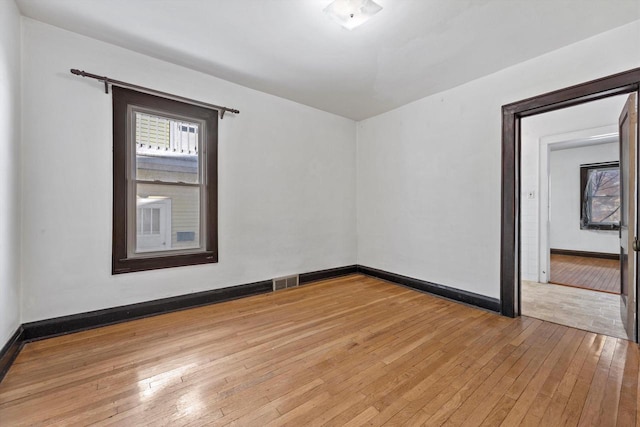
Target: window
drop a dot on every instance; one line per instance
(165, 183)
(600, 196)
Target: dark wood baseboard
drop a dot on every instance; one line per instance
(327, 274)
(10, 351)
(63, 325)
(586, 254)
(94, 319)
(481, 301)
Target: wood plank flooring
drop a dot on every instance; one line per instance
(597, 274)
(342, 352)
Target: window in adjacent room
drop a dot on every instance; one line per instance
(600, 196)
(165, 182)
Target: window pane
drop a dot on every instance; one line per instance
(169, 213)
(166, 150)
(155, 221)
(146, 221)
(602, 196)
(605, 209)
(605, 182)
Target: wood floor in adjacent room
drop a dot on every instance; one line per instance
(347, 351)
(597, 274)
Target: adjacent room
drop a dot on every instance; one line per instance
(319, 212)
(571, 206)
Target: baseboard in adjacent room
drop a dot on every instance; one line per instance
(586, 254)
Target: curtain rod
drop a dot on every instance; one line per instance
(107, 81)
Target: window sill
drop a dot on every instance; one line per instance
(129, 265)
(600, 227)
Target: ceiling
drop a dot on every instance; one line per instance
(290, 48)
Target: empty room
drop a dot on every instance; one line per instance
(318, 212)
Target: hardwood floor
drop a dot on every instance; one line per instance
(342, 352)
(597, 274)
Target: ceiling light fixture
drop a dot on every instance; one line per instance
(352, 13)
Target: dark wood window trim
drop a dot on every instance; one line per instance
(617, 84)
(585, 224)
(121, 263)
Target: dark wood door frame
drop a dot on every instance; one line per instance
(617, 84)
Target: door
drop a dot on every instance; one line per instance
(153, 223)
(628, 123)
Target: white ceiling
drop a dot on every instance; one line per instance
(289, 48)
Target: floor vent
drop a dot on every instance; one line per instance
(285, 282)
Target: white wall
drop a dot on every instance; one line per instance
(429, 172)
(541, 133)
(564, 168)
(9, 170)
(427, 176)
(286, 180)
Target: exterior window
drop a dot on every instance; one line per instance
(600, 196)
(165, 183)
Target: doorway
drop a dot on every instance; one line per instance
(618, 84)
(570, 216)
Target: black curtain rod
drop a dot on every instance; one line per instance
(107, 81)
